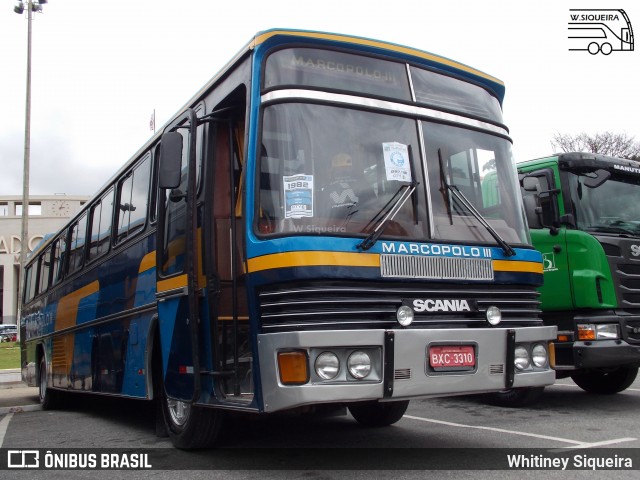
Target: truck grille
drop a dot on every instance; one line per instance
(441, 268)
(350, 305)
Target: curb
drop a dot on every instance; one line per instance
(22, 409)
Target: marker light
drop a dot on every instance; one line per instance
(327, 365)
(494, 315)
(539, 355)
(521, 358)
(586, 332)
(404, 315)
(359, 364)
(293, 367)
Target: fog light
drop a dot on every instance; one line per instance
(539, 355)
(327, 365)
(404, 315)
(608, 331)
(521, 358)
(494, 315)
(359, 364)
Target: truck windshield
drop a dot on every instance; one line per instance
(330, 170)
(612, 207)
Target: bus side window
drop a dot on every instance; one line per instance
(76, 244)
(45, 270)
(100, 232)
(133, 200)
(31, 275)
(59, 256)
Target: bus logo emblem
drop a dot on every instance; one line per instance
(600, 31)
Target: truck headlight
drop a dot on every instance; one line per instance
(598, 331)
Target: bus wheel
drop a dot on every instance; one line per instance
(514, 397)
(378, 414)
(593, 48)
(48, 397)
(190, 426)
(606, 48)
(606, 382)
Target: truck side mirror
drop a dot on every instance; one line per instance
(530, 184)
(170, 160)
(532, 211)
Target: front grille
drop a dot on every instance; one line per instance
(444, 268)
(629, 284)
(364, 305)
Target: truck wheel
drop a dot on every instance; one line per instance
(378, 414)
(606, 382)
(514, 397)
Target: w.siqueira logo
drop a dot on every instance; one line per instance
(600, 31)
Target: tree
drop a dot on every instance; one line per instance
(612, 144)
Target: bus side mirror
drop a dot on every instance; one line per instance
(170, 160)
(532, 211)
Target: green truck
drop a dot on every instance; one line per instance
(583, 212)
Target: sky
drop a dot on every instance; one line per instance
(101, 68)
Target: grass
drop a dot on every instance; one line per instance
(9, 355)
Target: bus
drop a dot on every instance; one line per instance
(583, 213)
(306, 234)
(600, 31)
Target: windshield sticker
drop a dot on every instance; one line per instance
(396, 161)
(298, 196)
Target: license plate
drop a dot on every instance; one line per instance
(449, 357)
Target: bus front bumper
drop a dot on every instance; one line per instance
(401, 367)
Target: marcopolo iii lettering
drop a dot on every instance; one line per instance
(420, 305)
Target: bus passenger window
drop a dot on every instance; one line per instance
(133, 199)
(76, 244)
(101, 226)
(59, 254)
(45, 264)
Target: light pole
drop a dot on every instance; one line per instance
(31, 6)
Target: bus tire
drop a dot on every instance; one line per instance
(606, 48)
(48, 397)
(514, 397)
(378, 414)
(610, 382)
(593, 48)
(189, 426)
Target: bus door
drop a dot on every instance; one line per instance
(176, 259)
(223, 260)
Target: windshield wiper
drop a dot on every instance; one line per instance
(386, 214)
(611, 229)
(464, 201)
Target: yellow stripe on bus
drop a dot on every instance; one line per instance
(172, 283)
(374, 43)
(313, 259)
(148, 262)
(514, 266)
(66, 316)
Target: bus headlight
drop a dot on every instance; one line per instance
(327, 365)
(521, 358)
(539, 355)
(359, 364)
(494, 315)
(404, 315)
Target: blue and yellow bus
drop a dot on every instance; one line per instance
(308, 233)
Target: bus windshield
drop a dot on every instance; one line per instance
(611, 207)
(332, 170)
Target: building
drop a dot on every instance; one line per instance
(46, 215)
